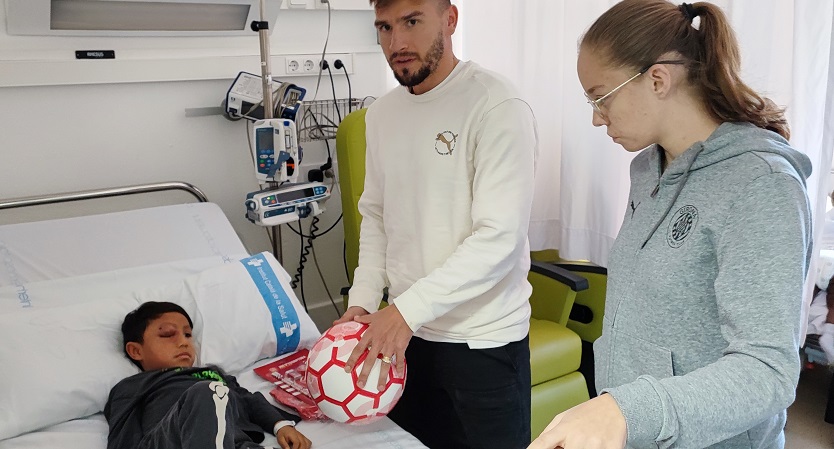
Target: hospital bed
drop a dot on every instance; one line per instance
(64, 263)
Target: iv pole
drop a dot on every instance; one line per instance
(262, 28)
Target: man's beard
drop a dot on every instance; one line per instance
(432, 60)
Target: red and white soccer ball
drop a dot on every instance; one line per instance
(336, 392)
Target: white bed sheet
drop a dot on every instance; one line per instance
(52, 249)
(382, 434)
(91, 433)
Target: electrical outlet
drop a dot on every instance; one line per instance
(308, 65)
(293, 66)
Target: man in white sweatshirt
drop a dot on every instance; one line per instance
(445, 213)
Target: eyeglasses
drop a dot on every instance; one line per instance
(597, 104)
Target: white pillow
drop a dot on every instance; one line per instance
(58, 364)
(90, 287)
(245, 312)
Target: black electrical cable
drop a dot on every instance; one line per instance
(340, 65)
(299, 232)
(324, 284)
(344, 259)
(333, 87)
(327, 165)
(274, 240)
(298, 279)
(309, 246)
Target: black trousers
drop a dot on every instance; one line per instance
(203, 418)
(829, 408)
(458, 398)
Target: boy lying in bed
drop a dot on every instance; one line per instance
(172, 405)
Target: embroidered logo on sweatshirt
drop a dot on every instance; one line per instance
(445, 143)
(681, 226)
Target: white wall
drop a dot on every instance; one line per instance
(56, 138)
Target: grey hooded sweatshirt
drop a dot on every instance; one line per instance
(701, 330)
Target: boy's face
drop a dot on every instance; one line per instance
(167, 343)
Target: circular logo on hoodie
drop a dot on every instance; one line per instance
(681, 226)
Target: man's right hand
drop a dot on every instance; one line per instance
(350, 314)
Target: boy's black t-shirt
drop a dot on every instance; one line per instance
(139, 402)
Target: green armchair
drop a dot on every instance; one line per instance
(555, 350)
(586, 315)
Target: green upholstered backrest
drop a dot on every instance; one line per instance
(350, 157)
(551, 300)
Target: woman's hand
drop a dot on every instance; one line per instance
(596, 424)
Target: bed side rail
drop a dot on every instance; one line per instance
(103, 193)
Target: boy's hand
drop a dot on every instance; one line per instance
(355, 311)
(289, 438)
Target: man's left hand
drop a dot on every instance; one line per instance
(387, 337)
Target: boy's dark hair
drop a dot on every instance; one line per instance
(135, 323)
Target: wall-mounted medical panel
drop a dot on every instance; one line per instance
(336, 5)
(136, 17)
(114, 71)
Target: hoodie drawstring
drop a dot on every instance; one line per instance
(675, 197)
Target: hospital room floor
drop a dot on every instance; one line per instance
(806, 428)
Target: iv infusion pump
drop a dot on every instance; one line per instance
(279, 205)
(276, 151)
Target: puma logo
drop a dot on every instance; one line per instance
(445, 143)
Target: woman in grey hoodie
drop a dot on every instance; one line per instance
(701, 329)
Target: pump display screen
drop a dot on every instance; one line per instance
(295, 195)
(265, 139)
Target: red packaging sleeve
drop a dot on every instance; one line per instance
(288, 374)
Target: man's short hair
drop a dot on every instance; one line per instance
(386, 3)
(137, 321)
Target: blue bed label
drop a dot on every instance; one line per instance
(284, 317)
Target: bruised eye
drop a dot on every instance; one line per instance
(167, 330)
